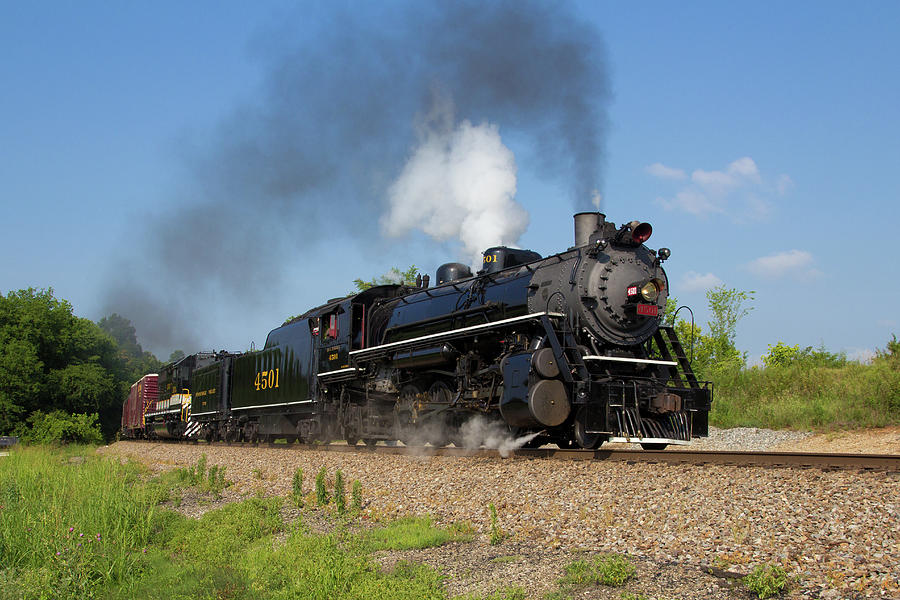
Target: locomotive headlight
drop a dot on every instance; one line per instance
(650, 291)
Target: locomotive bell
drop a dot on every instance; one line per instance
(641, 232)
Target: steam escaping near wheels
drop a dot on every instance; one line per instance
(480, 432)
(477, 433)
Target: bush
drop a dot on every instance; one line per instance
(57, 427)
(782, 355)
(766, 580)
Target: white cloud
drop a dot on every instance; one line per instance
(784, 184)
(758, 207)
(737, 190)
(791, 262)
(695, 282)
(692, 201)
(663, 172)
(744, 167)
(737, 174)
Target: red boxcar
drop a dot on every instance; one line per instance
(142, 394)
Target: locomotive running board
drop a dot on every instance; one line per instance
(374, 350)
(646, 361)
(338, 375)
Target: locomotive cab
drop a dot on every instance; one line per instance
(334, 337)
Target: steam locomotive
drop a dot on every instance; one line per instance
(567, 349)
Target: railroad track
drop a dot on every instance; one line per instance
(829, 461)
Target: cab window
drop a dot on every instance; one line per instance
(331, 332)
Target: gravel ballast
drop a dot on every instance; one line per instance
(837, 533)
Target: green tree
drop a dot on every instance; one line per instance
(727, 307)
(697, 347)
(176, 355)
(52, 360)
(394, 276)
(668, 317)
(716, 349)
(136, 361)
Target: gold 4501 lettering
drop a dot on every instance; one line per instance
(266, 379)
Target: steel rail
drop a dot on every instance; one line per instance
(828, 461)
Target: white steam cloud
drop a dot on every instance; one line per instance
(480, 432)
(459, 183)
(475, 434)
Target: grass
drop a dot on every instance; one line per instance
(414, 532)
(605, 569)
(73, 524)
(800, 396)
(70, 522)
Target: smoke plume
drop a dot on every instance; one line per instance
(460, 183)
(346, 129)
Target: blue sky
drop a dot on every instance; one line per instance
(761, 140)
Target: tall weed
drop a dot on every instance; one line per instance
(340, 501)
(297, 488)
(321, 492)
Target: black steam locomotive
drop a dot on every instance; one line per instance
(568, 348)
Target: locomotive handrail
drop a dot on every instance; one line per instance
(364, 353)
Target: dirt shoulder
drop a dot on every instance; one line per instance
(865, 441)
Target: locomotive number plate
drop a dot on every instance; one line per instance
(648, 310)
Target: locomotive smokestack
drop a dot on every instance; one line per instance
(587, 223)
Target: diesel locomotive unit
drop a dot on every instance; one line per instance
(569, 348)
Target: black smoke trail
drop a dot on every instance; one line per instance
(332, 127)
